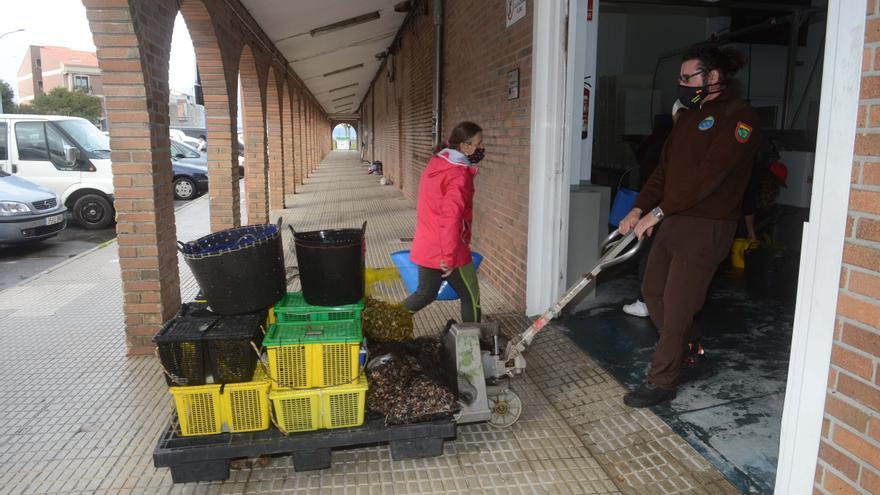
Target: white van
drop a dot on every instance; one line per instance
(68, 155)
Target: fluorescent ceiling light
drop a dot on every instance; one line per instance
(336, 26)
(344, 97)
(345, 69)
(343, 87)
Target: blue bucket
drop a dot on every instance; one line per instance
(409, 273)
(623, 203)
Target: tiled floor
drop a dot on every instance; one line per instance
(78, 416)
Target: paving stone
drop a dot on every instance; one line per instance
(90, 418)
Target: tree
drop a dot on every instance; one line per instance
(7, 94)
(62, 101)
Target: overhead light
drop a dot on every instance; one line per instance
(336, 26)
(344, 97)
(403, 6)
(382, 55)
(340, 88)
(346, 69)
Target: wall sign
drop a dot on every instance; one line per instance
(513, 84)
(516, 10)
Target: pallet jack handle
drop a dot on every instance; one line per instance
(612, 249)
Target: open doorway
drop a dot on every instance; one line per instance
(344, 137)
(623, 68)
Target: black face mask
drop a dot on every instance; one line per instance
(691, 97)
(477, 156)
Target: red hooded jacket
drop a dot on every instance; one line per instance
(445, 212)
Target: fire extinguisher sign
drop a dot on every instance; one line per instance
(516, 10)
(589, 10)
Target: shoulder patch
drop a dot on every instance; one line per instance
(743, 132)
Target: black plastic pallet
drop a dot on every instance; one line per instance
(207, 458)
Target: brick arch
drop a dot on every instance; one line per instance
(275, 139)
(287, 131)
(133, 47)
(253, 116)
(220, 115)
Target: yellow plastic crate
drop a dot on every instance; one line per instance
(198, 409)
(311, 355)
(296, 410)
(233, 408)
(332, 407)
(270, 317)
(343, 406)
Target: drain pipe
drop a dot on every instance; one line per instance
(436, 128)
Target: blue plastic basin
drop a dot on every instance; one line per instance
(409, 273)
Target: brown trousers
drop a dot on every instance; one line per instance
(683, 260)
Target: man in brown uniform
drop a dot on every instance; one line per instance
(697, 192)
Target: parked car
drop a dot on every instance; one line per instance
(67, 155)
(190, 169)
(187, 154)
(180, 136)
(28, 212)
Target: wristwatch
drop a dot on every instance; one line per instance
(658, 213)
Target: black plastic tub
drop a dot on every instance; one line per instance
(331, 265)
(239, 270)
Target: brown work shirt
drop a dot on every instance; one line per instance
(706, 162)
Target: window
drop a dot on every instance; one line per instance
(31, 139)
(186, 151)
(39, 142)
(81, 83)
(58, 147)
(4, 153)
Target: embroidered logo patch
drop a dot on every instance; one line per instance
(706, 124)
(743, 132)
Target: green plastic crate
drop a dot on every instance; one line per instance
(317, 354)
(294, 309)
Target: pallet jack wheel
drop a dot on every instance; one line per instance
(506, 408)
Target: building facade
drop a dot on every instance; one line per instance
(47, 67)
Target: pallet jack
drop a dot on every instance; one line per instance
(484, 361)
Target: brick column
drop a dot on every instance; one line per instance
(275, 143)
(298, 138)
(220, 118)
(287, 131)
(309, 158)
(134, 66)
(254, 127)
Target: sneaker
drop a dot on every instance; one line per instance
(695, 366)
(648, 395)
(637, 308)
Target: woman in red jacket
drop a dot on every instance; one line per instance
(441, 247)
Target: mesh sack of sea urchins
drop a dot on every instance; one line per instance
(402, 392)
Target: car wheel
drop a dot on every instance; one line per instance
(184, 189)
(93, 211)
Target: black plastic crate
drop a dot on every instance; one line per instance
(230, 354)
(181, 349)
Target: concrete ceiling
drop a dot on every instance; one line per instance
(289, 25)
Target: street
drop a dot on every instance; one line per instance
(20, 262)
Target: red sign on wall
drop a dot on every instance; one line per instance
(589, 10)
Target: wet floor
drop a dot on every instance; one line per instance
(733, 418)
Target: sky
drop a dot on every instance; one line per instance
(64, 23)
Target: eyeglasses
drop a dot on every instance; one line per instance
(685, 78)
